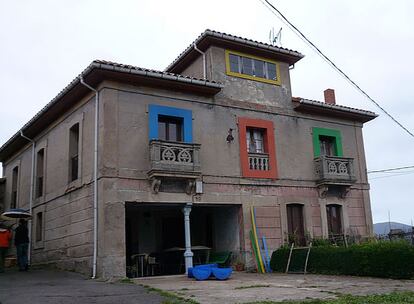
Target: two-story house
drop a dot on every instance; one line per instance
(168, 164)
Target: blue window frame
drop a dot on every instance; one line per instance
(186, 115)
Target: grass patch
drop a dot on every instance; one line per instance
(126, 281)
(392, 298)
(169, 297)
(252, 286)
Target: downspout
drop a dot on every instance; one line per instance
(95, 180)
(31, 194)
(204, 60)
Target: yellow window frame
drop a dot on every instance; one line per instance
(255, 78)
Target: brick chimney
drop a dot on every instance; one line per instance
(329, 96)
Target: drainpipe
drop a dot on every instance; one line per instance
(204, 60)
(31, 194)
(95, 180)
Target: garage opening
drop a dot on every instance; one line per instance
(155, 236)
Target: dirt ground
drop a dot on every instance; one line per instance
(250, 287)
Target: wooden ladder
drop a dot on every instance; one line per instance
(306, 260)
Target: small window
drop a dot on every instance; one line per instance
(252, 67)
(15, 180)
(326, 142)
(39, 226)
(74, 152)
(170, 128)
(334, 216)
(257, 148)
(39, 172)
(254, 139)
(327, 145)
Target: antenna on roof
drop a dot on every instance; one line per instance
(275, 40)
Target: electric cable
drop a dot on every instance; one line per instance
(391, 169)
(329, 61)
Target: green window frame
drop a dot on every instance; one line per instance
(318, 132)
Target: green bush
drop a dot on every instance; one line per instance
(381, 259)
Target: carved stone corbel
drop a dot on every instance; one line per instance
(345, 191)
(190, 187)
(323, 191)
(155, 185)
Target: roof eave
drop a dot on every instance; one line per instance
(313, 107)
(209, 38)
(94, 74)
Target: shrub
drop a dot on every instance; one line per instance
(381, 259)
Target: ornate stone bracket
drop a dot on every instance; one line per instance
(345, 191)
(155, 185)
(324, 189)
(190, 187)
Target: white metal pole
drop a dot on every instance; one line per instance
(188, 254)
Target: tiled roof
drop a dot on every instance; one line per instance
(153, 73)
(116, 67)
(241, 40)
(333, 107)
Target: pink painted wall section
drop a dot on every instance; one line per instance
(268, 225)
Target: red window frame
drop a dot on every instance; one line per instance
(269, 144)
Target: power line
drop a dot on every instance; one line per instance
(329, 61)
(398, 174)
(391, 169)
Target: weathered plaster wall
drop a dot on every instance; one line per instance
(66, 206)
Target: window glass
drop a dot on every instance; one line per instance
(247, 66)
(254, 138)
(234, 63)
(74, 152)
(39, 172)
(170, 128)
(259, 70)
(333, 213)
(39, 226)
(327, 145)
(15, 178)
(162, 128)
(271, 71)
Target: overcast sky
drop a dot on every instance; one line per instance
(45, 44)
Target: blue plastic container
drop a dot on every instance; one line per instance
(221, 273)
(201, 273)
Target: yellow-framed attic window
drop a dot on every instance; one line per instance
(252, 67)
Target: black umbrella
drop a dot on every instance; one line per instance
(16, 214)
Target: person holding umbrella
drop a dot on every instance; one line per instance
(5, 238)
(21, 236)
(21, 241)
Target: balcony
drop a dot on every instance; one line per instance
(174, 159)
(259, 161)
(333, 170)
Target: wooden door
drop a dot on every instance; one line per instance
(296, 225)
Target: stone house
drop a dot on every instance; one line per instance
(181, 156)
